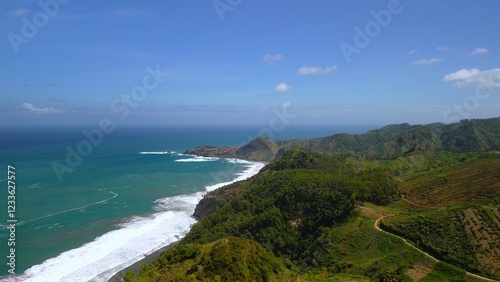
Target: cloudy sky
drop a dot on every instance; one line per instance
(242, 62)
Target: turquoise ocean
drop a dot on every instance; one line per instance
(127, 196)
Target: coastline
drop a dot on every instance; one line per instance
(136, 266)
(114, 253)
(253, 169)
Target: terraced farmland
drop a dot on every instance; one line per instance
(483, 229)
(455, 185)
(454, 214)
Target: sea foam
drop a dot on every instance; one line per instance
(100, 259)
(157, 153)
(197, 159)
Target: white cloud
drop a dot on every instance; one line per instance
(411, 52)
(427, 61)
(19, 12)
(443, 49)
(31, 108)
(268, 58)
(286, 104)
(461, 74)
(317, 70)
(479, 51)
(475, 78)
(282, 87)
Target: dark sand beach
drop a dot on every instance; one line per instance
(136, 267)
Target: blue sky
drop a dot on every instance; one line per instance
(248, 62)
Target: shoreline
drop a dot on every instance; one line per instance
(148, 259)
(161, 225)
(136, 266)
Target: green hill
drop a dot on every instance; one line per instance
(474, 180)
(227, 259)
(454, 213)
(312, 214)
(389, 142)
(302, 210)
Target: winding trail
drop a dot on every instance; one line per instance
(417, 205)
(376, 224)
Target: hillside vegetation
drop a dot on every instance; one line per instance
(287, 205)
(227, 259)
(291, 209)
(455, 214)
(389, 142)
(465, 182)
(313, 216)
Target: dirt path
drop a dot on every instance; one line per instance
(377, 226)
(417, 205)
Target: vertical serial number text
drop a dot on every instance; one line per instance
(11, 219)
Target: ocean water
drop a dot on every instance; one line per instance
(134, 192)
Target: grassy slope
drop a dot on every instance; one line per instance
(227, 259)
(454, 214)
(355, 250)
(358, 251)
(416, 164)
(455, 185)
